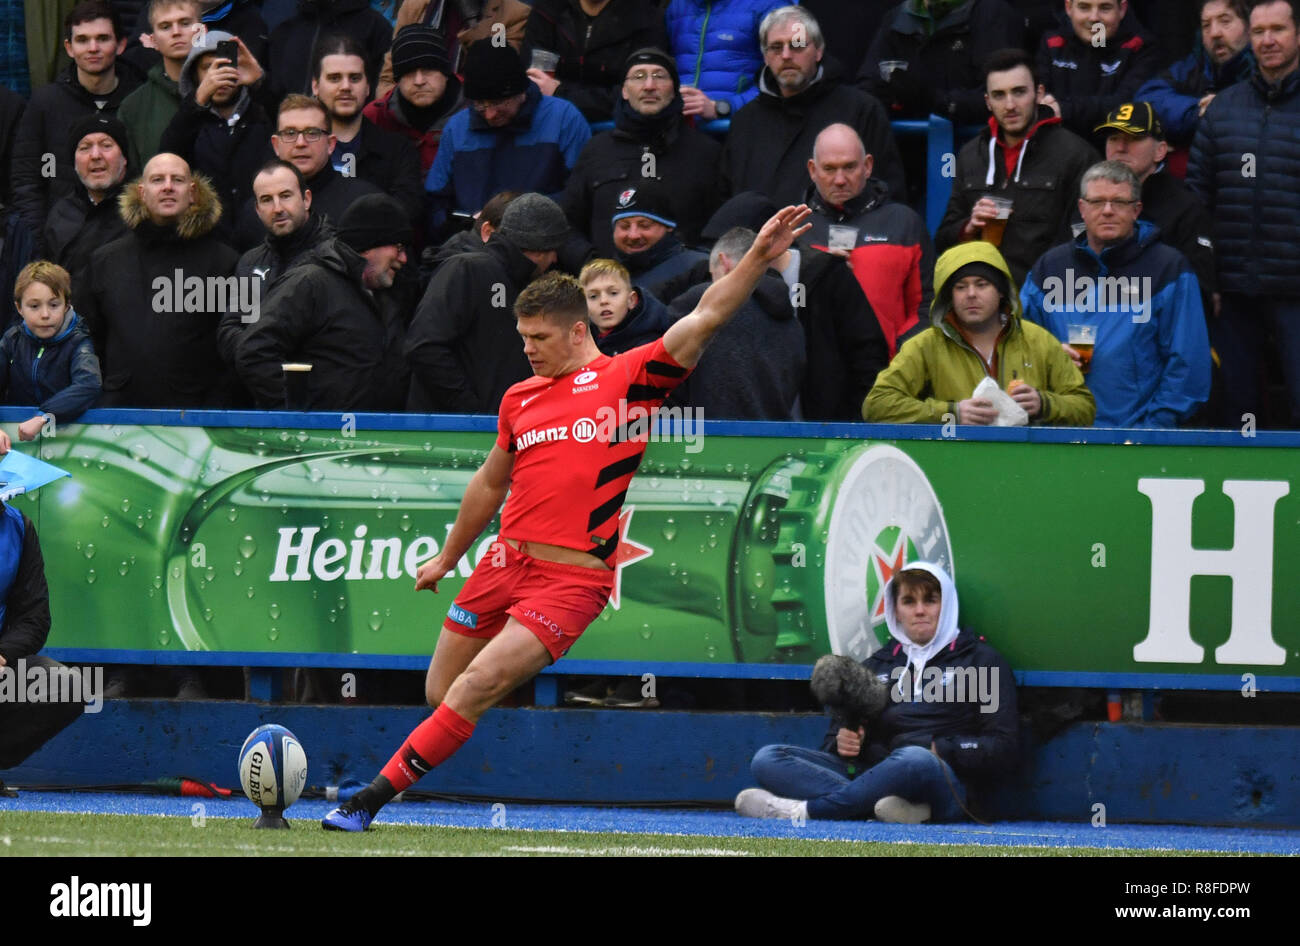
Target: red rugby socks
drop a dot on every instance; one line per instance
(430, 744)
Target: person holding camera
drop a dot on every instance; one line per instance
(904, 754)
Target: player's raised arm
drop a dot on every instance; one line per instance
(484, 494)
(687, 338)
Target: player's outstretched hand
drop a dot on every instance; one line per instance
(430, 573)
(781, 231)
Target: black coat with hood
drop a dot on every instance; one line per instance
(592, 50)
(320, 312)
(754, 367)
(462, 346)
(154, 357)
(1043, 186)
(684, 159)
(292, 42)
(978, 735)
(45, 129)
(229, 155)
(772, 137)
(331, 195)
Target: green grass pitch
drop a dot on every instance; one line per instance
(40, 833)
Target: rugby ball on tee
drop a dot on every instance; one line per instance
(272, 767)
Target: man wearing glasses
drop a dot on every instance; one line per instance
(649, 140)
(1137, 298)
(801, 92)
(302, 138)
(511, 138)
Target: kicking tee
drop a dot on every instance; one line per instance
(577, 441)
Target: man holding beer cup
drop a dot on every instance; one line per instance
(1134, 298)
(976, 332)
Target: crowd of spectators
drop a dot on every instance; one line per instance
(366, 187)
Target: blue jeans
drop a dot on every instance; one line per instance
(823, 779)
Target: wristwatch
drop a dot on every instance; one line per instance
(723, 108)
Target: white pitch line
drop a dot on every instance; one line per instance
(630, 850)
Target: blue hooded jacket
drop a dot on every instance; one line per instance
(60, 374)
(1151, 361)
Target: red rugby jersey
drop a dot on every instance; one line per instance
(573, 456)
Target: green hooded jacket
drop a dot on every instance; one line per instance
(937, 369)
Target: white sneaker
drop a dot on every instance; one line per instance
(760, 803)
(896, 809)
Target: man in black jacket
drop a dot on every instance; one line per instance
(1136, 139)
(1026, 156)
(283, 204)
(649, 140)
(332, 309)
(799, 93)
(364, 150)
(1243, 165)
(1095, 62)
(462, 346)
(88, 218)
(944, 44)
(154, 332)
(950, 719)
(592, 49)
(25, 726)
(95, 81)
(843, 340)
(754, 368)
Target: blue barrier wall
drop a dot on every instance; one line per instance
(1178, 774)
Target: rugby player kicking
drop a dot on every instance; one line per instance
(526, 605)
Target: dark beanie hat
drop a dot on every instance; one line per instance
(493, 72)
(646, 197)
(534, 222)
(419, 47)
(748, 209)
(977, 268)
(99, 123)
(374, 220)
(652, 56)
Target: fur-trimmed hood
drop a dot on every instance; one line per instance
(199, 220)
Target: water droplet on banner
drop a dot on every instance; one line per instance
(89, 550)
(247, 547)
(274, 611)
(90, 576)
(375, 621)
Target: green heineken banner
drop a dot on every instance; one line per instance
(1068, 557)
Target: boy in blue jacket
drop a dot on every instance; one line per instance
(48, 358)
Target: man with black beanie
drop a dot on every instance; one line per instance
(462, 346)
(649, 141)
(427, 92)
(332, 310)
(511, 138)
(88, 218)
